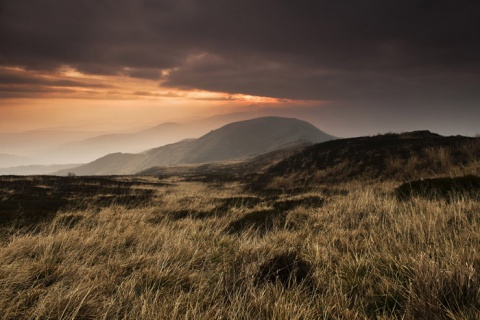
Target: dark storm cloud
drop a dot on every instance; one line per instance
(10, 78)
(31, 91)
(306, 49)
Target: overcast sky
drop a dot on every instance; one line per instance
(352, 67)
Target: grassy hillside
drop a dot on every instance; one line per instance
(183, 248)
(226, 170)
(407, 156)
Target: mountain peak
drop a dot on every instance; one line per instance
(234, 141)
(253, 137)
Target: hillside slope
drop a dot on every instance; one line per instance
(399, 156)
(226, 171)
(239, 140)
(252, 138)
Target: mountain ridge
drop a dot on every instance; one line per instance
(10, 160)
(36, 169)
(237, 140)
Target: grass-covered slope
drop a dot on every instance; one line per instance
(200, 251)
(403, 156)
(309, 241)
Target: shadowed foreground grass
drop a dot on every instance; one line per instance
(200, 251)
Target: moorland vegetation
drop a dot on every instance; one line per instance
(308, 236)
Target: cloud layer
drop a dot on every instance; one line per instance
(319, 50)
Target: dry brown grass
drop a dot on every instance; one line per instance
(339, 162)
(365, 255)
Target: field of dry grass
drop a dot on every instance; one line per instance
(352, 250)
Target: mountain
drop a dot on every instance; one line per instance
(238, 140)
(226, 171)
(9, 160)
(65, 145)
(36, 169)
(34, 144)
(87, 150)
(405, 156)
(92, 148)
(246, 139)
(87, 142)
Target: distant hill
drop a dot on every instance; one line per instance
(245, 139)
(72, 145)
(87, 142)
(87, 150)
(36, 169)
(238, 140)
(34, 144)
(231, 170)
(10, 160)
(400, 156)
(99, 146)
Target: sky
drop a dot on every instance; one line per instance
(350, 67)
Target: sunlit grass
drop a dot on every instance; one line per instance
(361, 254)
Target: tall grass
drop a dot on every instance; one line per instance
(365, 254)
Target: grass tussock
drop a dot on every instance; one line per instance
(352, 250)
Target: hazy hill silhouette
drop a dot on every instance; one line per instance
(92, 148)
(238, 140)
(36, 169)
(9, 160)
(89, 149)
(253, 137)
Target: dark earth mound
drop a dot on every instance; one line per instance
(444, 188)
(287, 269)
(265, 220)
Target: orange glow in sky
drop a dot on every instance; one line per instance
(67, 97)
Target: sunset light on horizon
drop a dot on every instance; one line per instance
(69, 97)
(350, 69)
